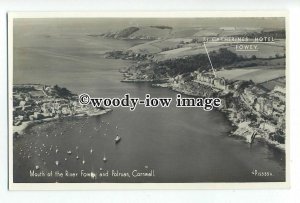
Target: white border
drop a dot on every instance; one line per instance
(135, 186)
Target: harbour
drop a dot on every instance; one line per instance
(180, 144)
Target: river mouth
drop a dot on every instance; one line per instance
(171, 145)
(163, 141)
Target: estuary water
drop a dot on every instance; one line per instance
(171, 144)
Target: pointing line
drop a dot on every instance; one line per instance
(210, 60)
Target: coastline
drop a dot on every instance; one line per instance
(239, 130)
(19, 129)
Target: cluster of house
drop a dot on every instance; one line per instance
(207, 79)
(268, 105)
(36, 102)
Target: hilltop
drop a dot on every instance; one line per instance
(148, 32)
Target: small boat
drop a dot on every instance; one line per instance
(83, 161)
(37, 167)
(117, 139)
(91, 151)
(56, 163)
(104, 159)
(77, 157)
(69, 152)
(56, 151)
(101, 169)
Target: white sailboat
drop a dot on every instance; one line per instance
(104, 158)
(83, 161)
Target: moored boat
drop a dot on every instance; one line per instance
(104, 159)
(117, 139)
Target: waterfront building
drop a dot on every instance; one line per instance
(269, 127)
(279, 92)
(37, 115)
(220, 83)
(37, 94)
(249, 95)
(268, 108)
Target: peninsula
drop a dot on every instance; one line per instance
(36, 103)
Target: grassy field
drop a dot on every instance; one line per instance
(151, 32)
(258, 74)
(184, 32)
(264, 51)
(272, 83)
(189, 50)
(266, 63)
(155, 46)
(208, 32)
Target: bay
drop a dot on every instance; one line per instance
(178, 144)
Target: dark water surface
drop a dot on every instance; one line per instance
(178, 144)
